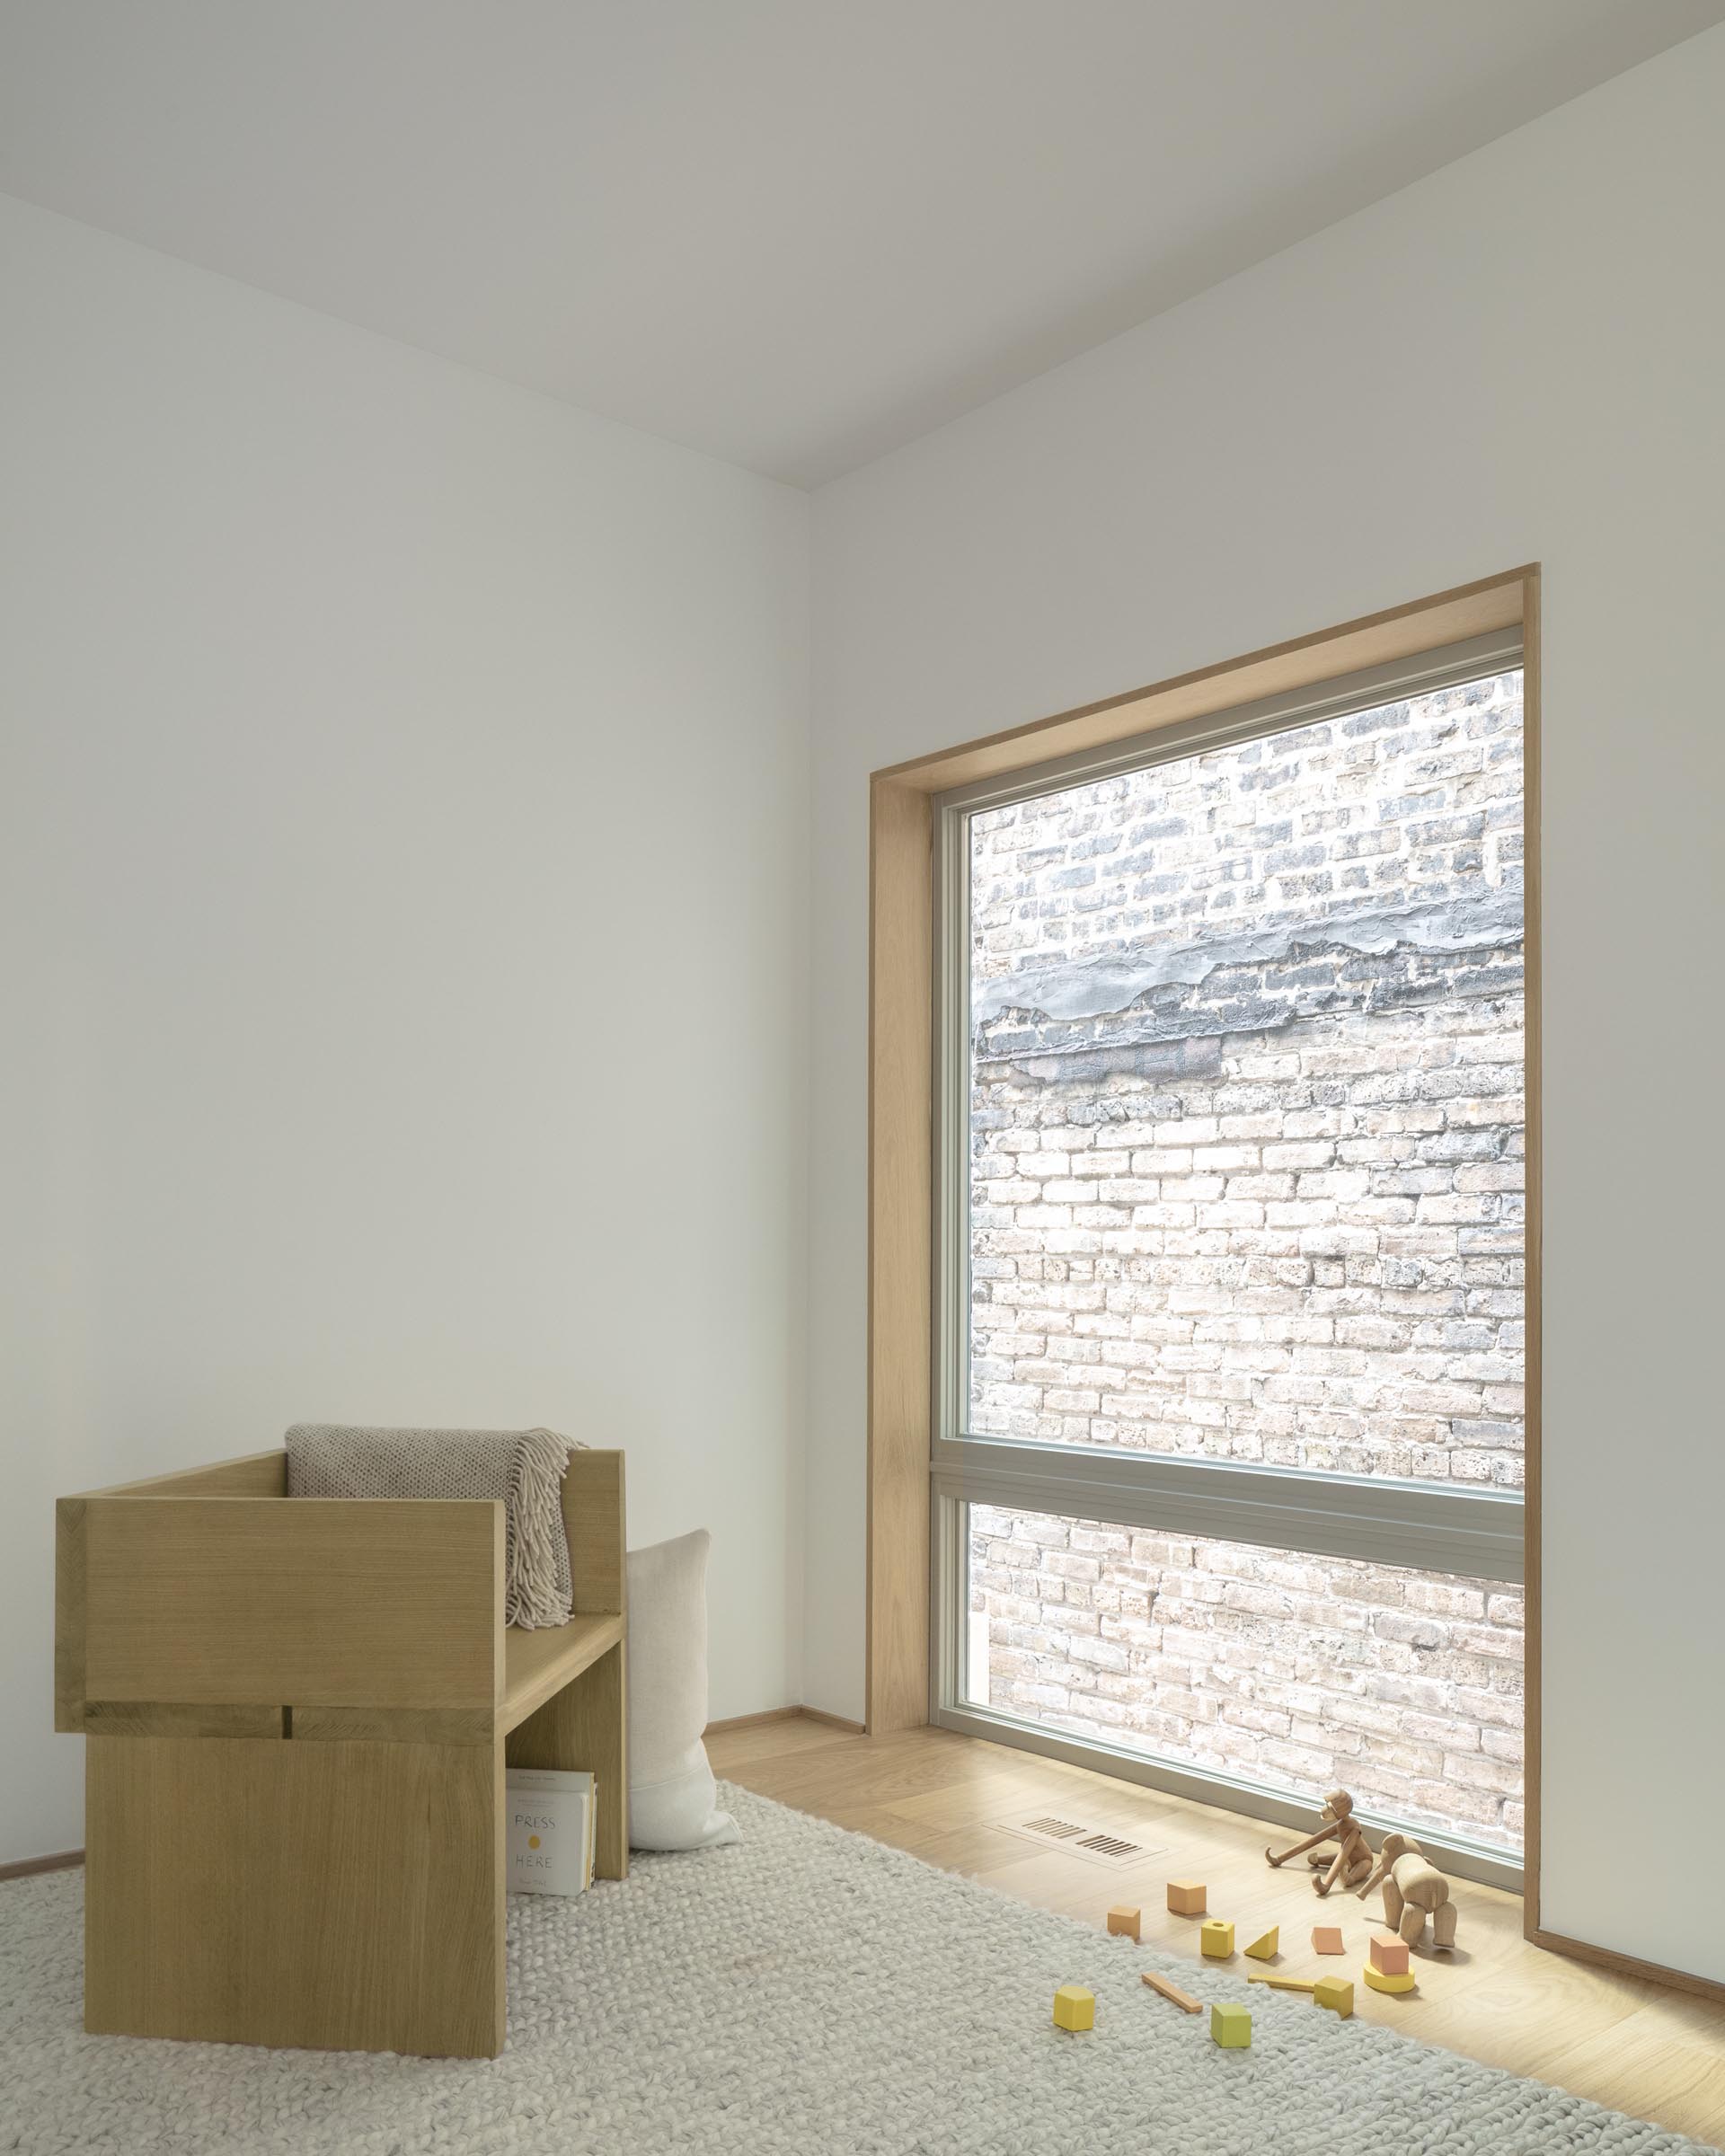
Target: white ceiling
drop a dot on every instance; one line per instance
(792, 233)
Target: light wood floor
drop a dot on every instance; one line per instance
(1658, 2054)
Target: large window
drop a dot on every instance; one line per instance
(1229, 1433)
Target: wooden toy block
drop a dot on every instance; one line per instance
(1230, 2026)
(1377, 1980)
(1186, 1897)
(1170, 1990)
(1125, 1921)
(1267, 1948)
(1326, 1939)
(1215, 1937)
(1074, 2008)
(1389, 1956)
(1288, 1983)
(1335, 1992)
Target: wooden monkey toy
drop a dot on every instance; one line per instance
(1413, 1890)
(1352, 1859)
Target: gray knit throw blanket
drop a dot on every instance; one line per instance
(524, 1468)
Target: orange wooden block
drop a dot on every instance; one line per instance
(1326, 1939)
(1187, 1898)
(1125, 1919)
(1390, 1955)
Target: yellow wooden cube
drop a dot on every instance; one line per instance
(1335, 1992)
(1267, 1948)
(1230, 2026)
(1125, 1920)
(1074, 2008)
(1216, 1939)
(1186, 1897)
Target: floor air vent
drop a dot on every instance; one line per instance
(1094, 1844)
(1111, 1848)
(1051, 1830)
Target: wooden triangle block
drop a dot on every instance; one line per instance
(1266, 1948)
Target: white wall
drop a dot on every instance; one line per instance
(404, 964)
(1518, 359)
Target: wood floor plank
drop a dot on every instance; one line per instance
(1655, 2053)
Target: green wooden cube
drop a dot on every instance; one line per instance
(1230, 2026)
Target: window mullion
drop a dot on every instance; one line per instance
(1474, 1535)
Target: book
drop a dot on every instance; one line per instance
(552, 1816)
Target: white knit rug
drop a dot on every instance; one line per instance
(803, 1992)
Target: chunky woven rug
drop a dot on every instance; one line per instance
(805, 1991)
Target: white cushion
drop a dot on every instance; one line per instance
(673, 1800)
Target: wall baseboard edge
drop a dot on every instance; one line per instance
(833, 1721)
(784, 1714)
(1626, 1964)
(66, 1860)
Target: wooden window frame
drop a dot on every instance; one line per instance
(902, 1106)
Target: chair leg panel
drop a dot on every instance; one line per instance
(343, 1895)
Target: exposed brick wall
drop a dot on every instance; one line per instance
(1272, 1210)
(1302, 1673)
(1246, 1183)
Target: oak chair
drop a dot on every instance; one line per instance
(298, 1713)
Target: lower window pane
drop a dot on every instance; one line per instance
(1300, 1672)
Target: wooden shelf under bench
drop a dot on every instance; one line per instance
(299, 1715)
(536, 1665)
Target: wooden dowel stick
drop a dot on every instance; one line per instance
(1173, 1992)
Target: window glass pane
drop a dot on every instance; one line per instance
(1246, 1113)
(1299, 1672)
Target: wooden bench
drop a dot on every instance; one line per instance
(298, 1714)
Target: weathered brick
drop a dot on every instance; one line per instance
(1294, 1200)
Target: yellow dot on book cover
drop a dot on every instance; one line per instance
(532, 1841)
